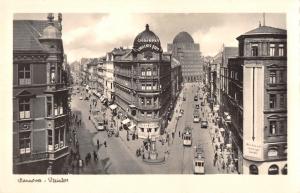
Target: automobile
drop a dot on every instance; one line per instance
(86, 98)
(197, 106)
(181, 111)
(202, 103)
(195, 98)
(81, 98)
(204, 124)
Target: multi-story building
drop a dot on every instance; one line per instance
(176, 78)
(143, 84)
(109, 77)
(257, 92)
(188, 54)
(40, 96)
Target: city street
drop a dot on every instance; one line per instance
(119, 155)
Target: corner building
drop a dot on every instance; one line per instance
(40, 97)
(143, 84)
(258, 87)
(187, 52)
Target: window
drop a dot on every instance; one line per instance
(154, 86)
(142, 113)
(148, 100)
(148, 87)
(49, 106)
(24, 108)
(273, 170)
(149, 72)
(61, 137)
(149, 114)
(282, 127)
(236, 76)
(143, 101)
(56, 139)
(281, 50)
(24, 142)
(273, 128)
(272, 49)
(143, 86)
(272, 101)
(142, 129)
(282, 101)
(24, 74)
(272, 77)
(254, 49)
(282, 76)
(154, 71)
(52, 74)
(50, 138)
(143, 72)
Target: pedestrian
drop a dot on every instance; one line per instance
(95, 156)
(213, 140)
(98, 143)
(105, 145)
(89, 117)
(179, 133)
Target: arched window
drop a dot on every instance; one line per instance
(253, 170)
(273, 170)
(149, 72)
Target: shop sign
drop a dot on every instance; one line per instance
(272, 153)
(253, 150)
(148, 46)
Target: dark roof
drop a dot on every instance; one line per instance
(26, 34)
(264, 30)
(146, 36)
(183, 37)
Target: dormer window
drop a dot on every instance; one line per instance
(254, 49)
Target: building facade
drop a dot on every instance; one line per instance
(143, 84)
(109, 77)
(188, 54)
(258, 96)
(40, 97)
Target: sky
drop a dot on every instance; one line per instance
(93, 35)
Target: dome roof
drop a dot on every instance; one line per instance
(50, 32)
(146, 37)
(183, 37)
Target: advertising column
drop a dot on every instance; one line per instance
(253, 125)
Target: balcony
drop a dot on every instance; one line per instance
(59, 153)
(56, 88)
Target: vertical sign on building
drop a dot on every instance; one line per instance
(253, 123)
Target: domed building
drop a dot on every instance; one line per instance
(188, 53)
(142, 83)
(40, 97)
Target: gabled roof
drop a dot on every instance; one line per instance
(264, 30)
(26, 34)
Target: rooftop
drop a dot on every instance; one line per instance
(264, 30)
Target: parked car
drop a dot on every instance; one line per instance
(197, 106)
(204, 124)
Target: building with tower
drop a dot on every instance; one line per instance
(142, 83)
(187, 52)
(257, 93)
(40, 97)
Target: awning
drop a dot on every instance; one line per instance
(131, 127)
(125, 121)
(112, 107)
(132, 106)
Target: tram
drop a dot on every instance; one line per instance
(198, 161)
(196, 116)
(187, 136)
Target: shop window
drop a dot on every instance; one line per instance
(272, 101)
(24, 108)
(253, 170)
(284, 170)
(50, 138)
(273, 128)
(24, 74)
(281, 50)
(272, 77)
(272, 49)
(24, 142)
(254, 49)
(149, 72)
(273, 170)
